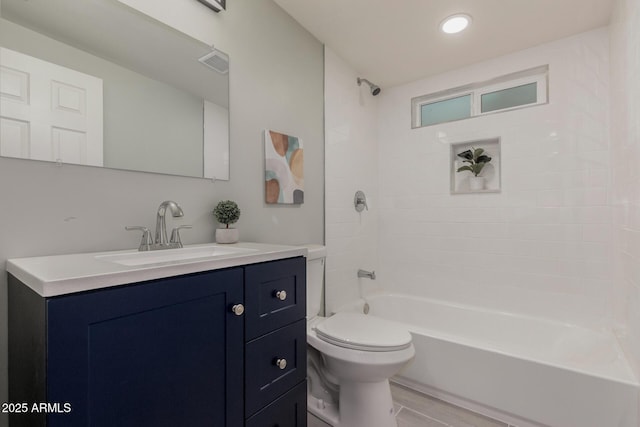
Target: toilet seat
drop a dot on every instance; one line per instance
(362, 332)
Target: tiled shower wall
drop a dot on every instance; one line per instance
(543, 245)
(351, 164)
(625, 157)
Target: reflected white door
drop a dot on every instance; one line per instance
(49, 112)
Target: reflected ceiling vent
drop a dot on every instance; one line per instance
(216, 60)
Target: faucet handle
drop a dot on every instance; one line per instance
(175, 235)
(147, 241)
(360, 201)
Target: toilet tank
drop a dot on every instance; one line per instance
(315, 278)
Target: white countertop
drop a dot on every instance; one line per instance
(65, 274)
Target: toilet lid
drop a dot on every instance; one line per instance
(361, 332)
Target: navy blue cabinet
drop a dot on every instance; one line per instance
(162, 353)
(276, 348)
(168, 352)
(289, 410)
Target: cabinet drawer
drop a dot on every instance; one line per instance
(275, 295)
(265, 379)
(289, 410)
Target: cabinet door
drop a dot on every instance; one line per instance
(268, 308)
(162, 353)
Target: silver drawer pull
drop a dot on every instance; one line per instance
(281, 295)
(281, 363)
(238, 309)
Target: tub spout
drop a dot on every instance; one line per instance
(368, 274)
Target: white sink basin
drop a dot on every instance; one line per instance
(173, 255)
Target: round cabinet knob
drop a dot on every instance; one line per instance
(238, 309)
(281, 295)
(281, 363)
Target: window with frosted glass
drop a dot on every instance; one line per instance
(526, 88)
(446, 110)
(509, 98)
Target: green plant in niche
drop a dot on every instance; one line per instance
(476, 159)
(227, 212)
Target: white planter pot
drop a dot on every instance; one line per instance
(227, 235)
(476, 183)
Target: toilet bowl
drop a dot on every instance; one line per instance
(351, 358)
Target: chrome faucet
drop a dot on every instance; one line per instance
(161, 225)
(369, 274)
(162, 242)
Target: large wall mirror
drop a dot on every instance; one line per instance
(97, 83)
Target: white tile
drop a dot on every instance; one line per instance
(591, 196)
(549, 198)
(601, 233)
(549, 227)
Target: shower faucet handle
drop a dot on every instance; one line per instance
(360, 201)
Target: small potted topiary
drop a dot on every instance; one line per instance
(476, 160)
(227, 212)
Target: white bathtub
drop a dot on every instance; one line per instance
(523, 370)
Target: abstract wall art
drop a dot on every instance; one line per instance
(284, 168)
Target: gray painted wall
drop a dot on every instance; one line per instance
(276, 82)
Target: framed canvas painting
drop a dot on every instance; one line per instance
(284, 168)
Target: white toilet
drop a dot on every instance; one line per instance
(351, 357)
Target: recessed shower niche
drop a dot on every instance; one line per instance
(480, 163)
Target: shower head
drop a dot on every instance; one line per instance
(375, 89)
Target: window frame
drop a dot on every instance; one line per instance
(445, 98)
(541, 93)
(538, 75)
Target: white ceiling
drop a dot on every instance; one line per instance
(391, 42)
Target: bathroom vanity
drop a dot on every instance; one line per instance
(127, 339)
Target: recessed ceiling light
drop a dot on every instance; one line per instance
(455, 23)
